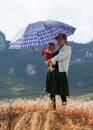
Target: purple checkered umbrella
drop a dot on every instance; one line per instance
(40, 33)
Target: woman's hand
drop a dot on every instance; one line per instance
(48, 62)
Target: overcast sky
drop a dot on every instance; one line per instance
(15, 14)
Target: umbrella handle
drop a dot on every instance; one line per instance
(33, 49)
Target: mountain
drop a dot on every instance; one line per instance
(22, 72)
(3, 42)
(81, 68)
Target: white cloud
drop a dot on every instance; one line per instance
(38, 9)
(76, 13)
(83, 34)
(15, 14)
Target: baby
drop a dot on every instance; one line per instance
(49, 53)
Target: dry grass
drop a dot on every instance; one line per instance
(38, 114)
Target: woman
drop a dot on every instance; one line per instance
(56, 81)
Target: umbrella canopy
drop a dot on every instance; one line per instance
(40, 33)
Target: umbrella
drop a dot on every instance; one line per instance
(40, 33)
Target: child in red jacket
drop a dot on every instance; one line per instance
(49, 53)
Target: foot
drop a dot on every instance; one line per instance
(64, 104)
(52, 106)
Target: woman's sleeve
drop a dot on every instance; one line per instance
(62, 55)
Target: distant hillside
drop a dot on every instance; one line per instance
(22, 72)
(81, 68)
(3, 42)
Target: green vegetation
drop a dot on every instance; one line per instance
(14, 80)
(22, 72)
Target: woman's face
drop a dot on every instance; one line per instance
(61, 42)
